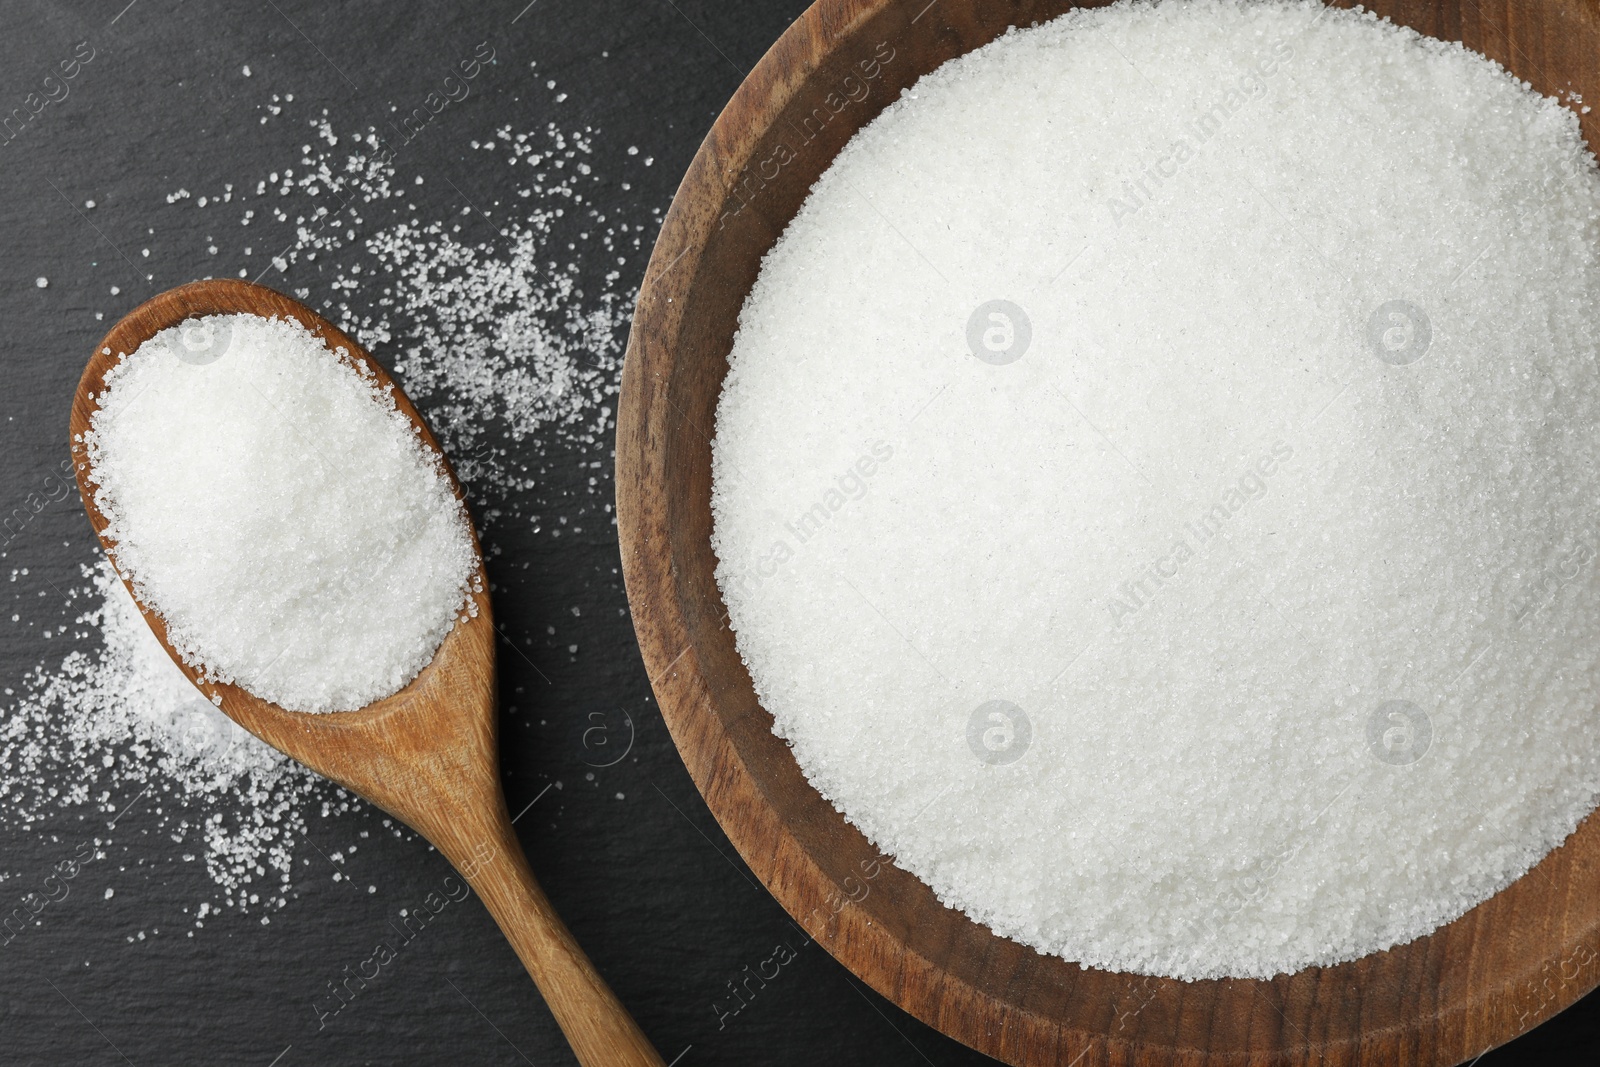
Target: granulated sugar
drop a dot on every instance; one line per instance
(274, 507)
(379, 266)
(503, 334)
(1155, 484)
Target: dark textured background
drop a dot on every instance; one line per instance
(648, 882)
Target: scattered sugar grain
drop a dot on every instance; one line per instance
(131, 726)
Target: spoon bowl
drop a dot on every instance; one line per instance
(426, 754)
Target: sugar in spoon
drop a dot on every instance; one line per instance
(427, 754)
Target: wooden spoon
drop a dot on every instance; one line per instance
(426, 754)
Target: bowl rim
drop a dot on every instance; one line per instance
(741, 795)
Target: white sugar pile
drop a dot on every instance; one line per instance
(278, 512)
(1155, 484)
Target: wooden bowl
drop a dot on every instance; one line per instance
(1502, 968)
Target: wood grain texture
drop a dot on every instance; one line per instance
(427, 754)
(1502, 968)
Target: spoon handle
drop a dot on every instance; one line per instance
(596, 1025)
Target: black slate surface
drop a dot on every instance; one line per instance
(648, 882)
